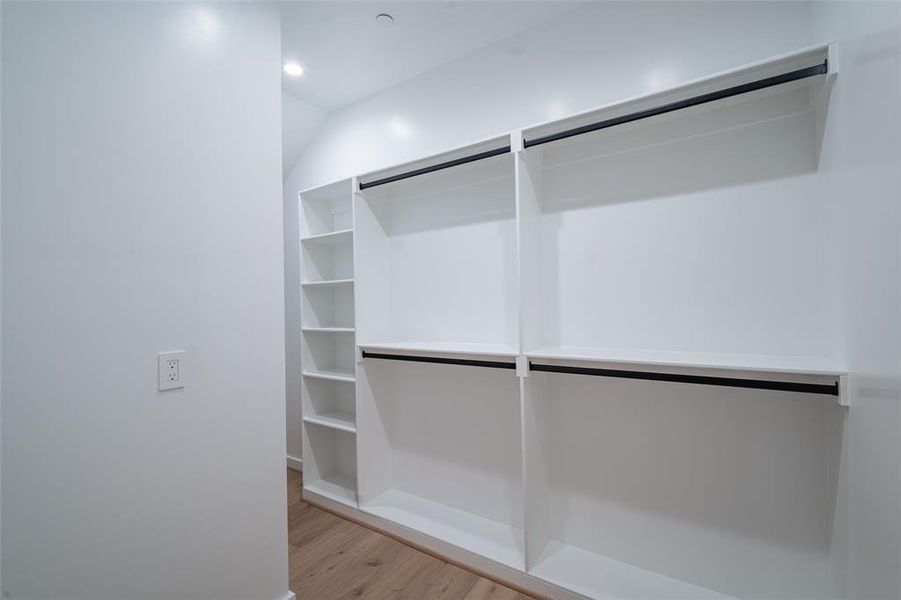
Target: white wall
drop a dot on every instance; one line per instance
(860, 172)
(299, 122)
(141, 212)
(590, 56)
(1, 295)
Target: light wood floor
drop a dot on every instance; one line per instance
(334, 559)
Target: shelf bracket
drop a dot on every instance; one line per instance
(358, 352)
(844, 391)
(516, 144)
(522, 366)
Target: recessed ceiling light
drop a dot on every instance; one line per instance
(293, 69)
(384, 20)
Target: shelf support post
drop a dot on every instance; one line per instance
(516, 143)
(522, 366)
(844, 391)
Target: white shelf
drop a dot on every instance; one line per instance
(331, 374)
(470, 348)
(497, 541)
(597, 576)
(784, 63)
(693, 360)
(339, 488)
(327, 282)
(342, 421)
(343, 236)
(328, 329)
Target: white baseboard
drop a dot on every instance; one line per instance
(296, 464)
(290, 596)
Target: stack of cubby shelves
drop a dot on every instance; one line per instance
(327, 326)
(680, 257)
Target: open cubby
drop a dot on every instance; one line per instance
(327, 262)
(329, 403)
(326, 354)
(644, 489)
(438, 258)
(330, 463)
(326, 210)
(327, 306)
(442, 454)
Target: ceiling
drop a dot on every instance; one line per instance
(346, 56)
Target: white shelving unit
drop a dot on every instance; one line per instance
(595, 357)
(327, 326)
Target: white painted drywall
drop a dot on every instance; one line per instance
(299, 121)
(603, 52)
(141, 212)
(860, 174)
(1, 295)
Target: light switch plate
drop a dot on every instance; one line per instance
(171, 370)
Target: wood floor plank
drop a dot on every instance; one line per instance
(331, 558)
(450, 583)
(295, 493)
(334, 573)
(397, 572)
(311, 522)
(485, 589)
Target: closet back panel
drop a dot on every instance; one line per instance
(327, 306)
(328, 352)
(440, 251)
(698, 232)
(326, 209)
(322, 262)
(331, 453)
(325, 396)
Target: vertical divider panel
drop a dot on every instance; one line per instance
(533, 387)
(534, 390)
(371, 264)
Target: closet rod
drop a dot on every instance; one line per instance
(757, 384)
(492, 364)
(438, 167)
(744, 88)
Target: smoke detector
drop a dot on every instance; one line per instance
(384, 20)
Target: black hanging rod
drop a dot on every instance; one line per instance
(744, 88)
(438, 167)
(492, 364)
(757, 384)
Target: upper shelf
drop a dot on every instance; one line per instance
(812, 68)
(328, 282)
(332, 238)
(461, 348)
(798, 365)
(472, 164)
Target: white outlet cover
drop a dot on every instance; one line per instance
(171, 376)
